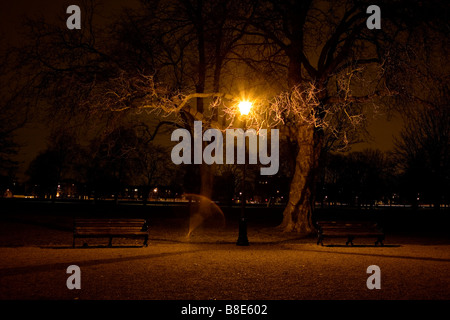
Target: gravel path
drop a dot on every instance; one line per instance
(276, 266)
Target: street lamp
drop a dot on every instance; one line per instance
(244, 109)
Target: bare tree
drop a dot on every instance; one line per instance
(152, 163)
(15, 112)
(55, 164)
(423, 153)
(323, 52)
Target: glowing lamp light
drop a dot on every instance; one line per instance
(244, 107)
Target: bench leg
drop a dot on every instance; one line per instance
(380, 241)
(320, 240)
(350, 240)
(110, 242)
(145, 242)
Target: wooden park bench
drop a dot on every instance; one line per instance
(349, 230)
(110, 228)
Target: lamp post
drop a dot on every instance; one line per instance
(244, 108)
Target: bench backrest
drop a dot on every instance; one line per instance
(357, 225)
(126, 225)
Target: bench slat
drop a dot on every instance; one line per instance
(346, 234)
(111, 228)
(109, 222)
(110, 234)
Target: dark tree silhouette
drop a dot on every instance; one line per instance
(423, 151)
(14, 107)
(358, 178)
(57, 163)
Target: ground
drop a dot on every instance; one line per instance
(36, 249)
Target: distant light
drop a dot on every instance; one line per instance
(245, 107)
(155, 190)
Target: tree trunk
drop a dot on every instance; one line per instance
(145, 194)
(297, 216)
